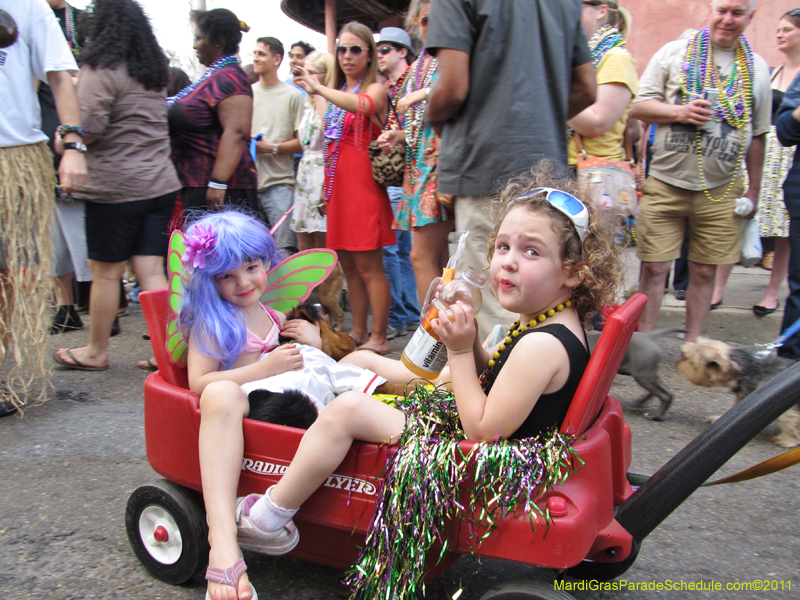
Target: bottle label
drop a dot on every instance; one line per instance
(426, 352)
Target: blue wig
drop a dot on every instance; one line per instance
(218, 325)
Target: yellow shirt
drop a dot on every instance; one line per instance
(617, 66)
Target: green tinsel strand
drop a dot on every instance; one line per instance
(419, 500)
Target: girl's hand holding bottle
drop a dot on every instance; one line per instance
(457, 329)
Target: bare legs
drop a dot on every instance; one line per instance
(104, 303)
(367, 288)
(351, 416)
(720, 281)
(62, 289)
(651, 284)
(429, 254)
(780, 269)
(307, 241)
(698, 295)
(223, 405)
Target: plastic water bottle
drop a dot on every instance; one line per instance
(426, 355)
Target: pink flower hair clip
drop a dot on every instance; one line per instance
(199, 244)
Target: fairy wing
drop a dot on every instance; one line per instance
(177, 346)
(290, 282)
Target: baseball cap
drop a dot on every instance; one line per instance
(395, 35)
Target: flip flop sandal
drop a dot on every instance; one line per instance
(380, 352)
(147, 365)
(75, 365)
(229, 577)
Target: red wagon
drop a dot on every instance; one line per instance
(166, 520)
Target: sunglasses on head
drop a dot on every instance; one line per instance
(566, 203)
(384, 50)
(354, 49)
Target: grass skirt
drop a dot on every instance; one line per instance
(27, 196)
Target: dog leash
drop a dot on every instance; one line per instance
(767, 467)
(768, 348)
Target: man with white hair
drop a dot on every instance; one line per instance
(710, 97)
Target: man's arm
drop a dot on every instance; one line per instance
(451, 88)
(663, 113)
(754, 159)
(582, 89)
(72, 169)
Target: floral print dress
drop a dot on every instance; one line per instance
(418, 205)
(310, 175)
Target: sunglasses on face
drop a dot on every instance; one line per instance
(354, 49)
(424, 21)
(566, 203)
(384, 50)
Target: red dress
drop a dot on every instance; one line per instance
(359, 212)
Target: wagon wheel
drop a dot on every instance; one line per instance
(526, 590)
(588, 570)
(167, 530)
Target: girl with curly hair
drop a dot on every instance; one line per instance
(554, 263)
(132, 185)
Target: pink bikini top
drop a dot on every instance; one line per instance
(256, 344)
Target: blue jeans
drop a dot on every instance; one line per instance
(397, 264)
(275, 201)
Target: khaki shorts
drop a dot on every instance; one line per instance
(715, 232)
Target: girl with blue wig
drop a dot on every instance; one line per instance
(234, 349)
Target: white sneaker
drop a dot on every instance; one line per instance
(251, 537)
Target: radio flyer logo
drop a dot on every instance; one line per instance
(340, 482)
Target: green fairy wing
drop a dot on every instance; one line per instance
(177, 346)
(291, 281)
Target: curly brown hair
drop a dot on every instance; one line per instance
(599, 257)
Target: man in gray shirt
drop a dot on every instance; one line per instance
(511, 72)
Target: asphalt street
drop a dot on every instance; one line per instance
(68, 466)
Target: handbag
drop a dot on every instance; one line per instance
(388, 168)
(608, 183)
(751, 244)
(445, 200)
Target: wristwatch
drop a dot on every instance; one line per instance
(79, 146)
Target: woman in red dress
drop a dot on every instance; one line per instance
(358, 209)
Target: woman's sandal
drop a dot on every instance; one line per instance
(229, 577)
(148, 365)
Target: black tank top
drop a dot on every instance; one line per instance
(550, 409)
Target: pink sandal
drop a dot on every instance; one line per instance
(229, 577)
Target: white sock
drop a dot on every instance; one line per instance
(268, 516)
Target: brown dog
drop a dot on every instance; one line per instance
(335, 344)
(710, 363)
(329, 295)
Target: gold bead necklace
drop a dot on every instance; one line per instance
(516, 328)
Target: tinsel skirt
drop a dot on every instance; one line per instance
(27, 197)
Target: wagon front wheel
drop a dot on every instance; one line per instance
(167, 530)
(526, 590)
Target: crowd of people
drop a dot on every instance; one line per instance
(461, 121)
(299, 152)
